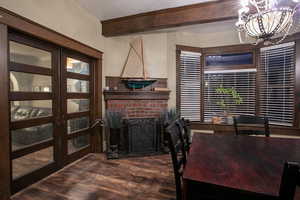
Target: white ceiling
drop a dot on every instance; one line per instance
(109, 9)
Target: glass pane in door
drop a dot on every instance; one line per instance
(25, 137)
(28, 55)
(26, 82)
(77, 86)
(77, 124)
(78, 105)
(77, 66)
(24, 110)
(31, 162)
(78, 143)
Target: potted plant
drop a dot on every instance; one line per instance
(228, 97)
(168, 116)
(114, 124)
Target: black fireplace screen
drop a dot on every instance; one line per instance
(143, 136)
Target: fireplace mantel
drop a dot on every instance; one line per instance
(136, 95)
(143, 103)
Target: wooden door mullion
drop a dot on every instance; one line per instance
(63, 100)
(5, 172)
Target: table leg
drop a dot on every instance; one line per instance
(185, 189)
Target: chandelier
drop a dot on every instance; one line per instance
(267, 21)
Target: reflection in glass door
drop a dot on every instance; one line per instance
(77, 104)
(33, 79)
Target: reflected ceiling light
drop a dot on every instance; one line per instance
(266, 21)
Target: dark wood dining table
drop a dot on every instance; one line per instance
(237, 167)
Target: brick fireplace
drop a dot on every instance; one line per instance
(137, 106)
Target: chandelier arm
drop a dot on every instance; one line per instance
(254, 3)
(295, 9)
(240, 38)
(261, 25)
(272, 25)
(267, 28)
(279, 24)
(263, 5)
(285, 34)
(253, 31)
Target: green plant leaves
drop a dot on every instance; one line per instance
(227, 95)
(169, 115)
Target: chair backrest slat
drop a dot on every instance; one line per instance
(184, 127)
(245, 120)
(289, 181)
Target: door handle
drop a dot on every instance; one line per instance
(97, 122)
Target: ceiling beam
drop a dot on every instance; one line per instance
(172, 17)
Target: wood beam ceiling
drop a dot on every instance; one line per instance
(172, 17)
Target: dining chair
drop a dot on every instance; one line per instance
(289, 181)
(184, 127)
(178, 155)
(251, 120)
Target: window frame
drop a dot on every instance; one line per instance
(229, 50)
(260, 70)
(297, 85)
(180, 48)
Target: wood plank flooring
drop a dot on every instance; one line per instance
(95, 178)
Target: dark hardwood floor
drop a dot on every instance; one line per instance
(95, 178)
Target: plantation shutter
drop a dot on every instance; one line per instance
(277, 83)
(243, 81)
(190, 85)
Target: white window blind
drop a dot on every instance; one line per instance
(277, 83)
(243, 81)
(189, 85)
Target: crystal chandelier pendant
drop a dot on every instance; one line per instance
(265, 21)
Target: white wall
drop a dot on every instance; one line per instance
(63, 16)
(155, 54)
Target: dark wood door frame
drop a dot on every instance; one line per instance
(5, 169)
(12, 21)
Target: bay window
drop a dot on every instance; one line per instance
(264, 79)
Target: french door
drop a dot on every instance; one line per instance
(77, 104)
(51, 102)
